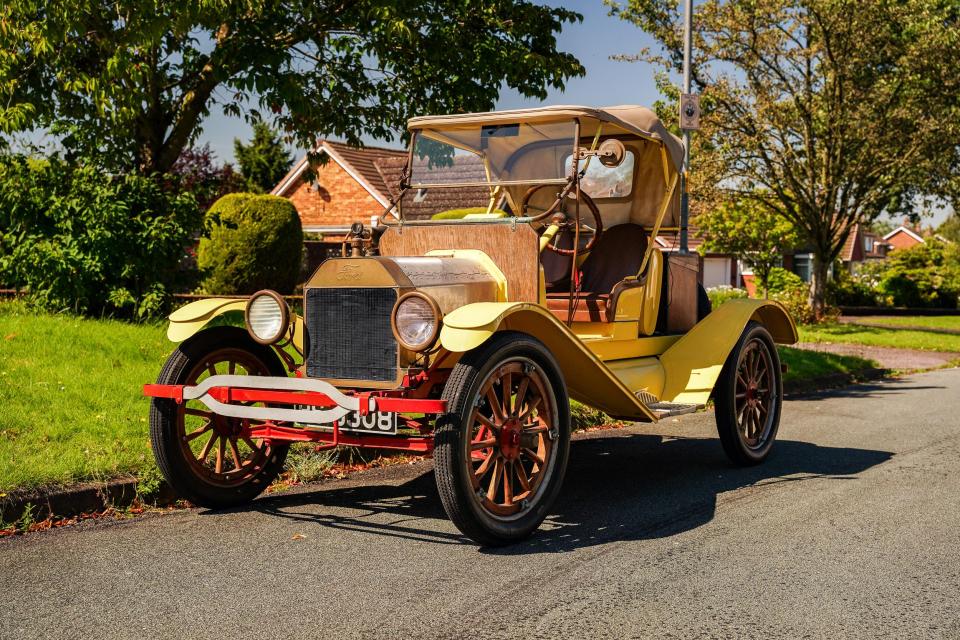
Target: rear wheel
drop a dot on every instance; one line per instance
(501, 451)
(748, 397)
(207, 458)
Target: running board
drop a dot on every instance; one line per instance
(667, 409)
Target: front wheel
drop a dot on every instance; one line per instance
(501, 451)
(207, 458)
(748, 397)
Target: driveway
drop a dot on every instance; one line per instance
(851, 529)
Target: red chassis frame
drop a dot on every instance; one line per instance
(386, 402)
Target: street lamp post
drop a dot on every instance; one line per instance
(690, 109)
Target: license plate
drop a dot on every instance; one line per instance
(373, 422)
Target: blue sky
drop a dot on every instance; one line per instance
(593, 41)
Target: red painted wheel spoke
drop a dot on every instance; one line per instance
(521, 394)
(485, 421)
(536, 427)
(485, 466)
(522, 475)
(191, 411)
(530, 453)
(235, 453)
(477, 445)
(531, 408)
(199, 432)
(250, 443)
(507, 484)
(212, 368)
(495, 480)
(221, 450)
(506, 389)
(206, 448)
(494, 402)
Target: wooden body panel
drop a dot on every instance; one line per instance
(515, 249)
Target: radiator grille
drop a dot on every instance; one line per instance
(350, 335)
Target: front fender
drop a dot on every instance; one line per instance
(693, 363)
(192, 317)
(588, 379)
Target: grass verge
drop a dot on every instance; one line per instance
(930, 322)
(880, 337)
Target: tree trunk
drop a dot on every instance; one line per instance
(818, 288)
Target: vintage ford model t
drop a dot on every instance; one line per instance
(467, 338)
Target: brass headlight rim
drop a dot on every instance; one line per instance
(284, 316)
(437, 314)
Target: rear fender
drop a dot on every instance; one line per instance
(693, 363)
(192, 317)
(588, 379)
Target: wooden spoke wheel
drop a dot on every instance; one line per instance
(217, 447)
(501, 453)
(207, 458)
(748, 397)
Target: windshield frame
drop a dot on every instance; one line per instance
(569, 183)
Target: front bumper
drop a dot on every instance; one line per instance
(300, 400)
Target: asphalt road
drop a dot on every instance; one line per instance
(851, 529)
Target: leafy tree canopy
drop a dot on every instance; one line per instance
(750, 230)
(264, 161)
(131, 81)
(829, 112)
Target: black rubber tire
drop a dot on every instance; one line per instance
(163, 428)
(725, 408)
(450, 468)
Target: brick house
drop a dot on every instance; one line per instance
(356, 184)
(348, 188)
(903, 237)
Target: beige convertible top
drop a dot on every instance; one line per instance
(631, 118)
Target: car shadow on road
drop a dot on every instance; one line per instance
(873, 389)
(622, 487)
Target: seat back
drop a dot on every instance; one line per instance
(616, 255)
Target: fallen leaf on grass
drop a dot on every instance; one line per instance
(10, 336)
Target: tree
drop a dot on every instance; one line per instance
(198, 172)
(264, 161)
(829, 112)
(751, 231)
(131, 82)
(950, 229)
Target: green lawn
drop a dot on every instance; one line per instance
(932, 322)
(874, 336)
(71, 395)
(804, 366)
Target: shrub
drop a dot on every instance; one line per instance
(780, 280)
(925, 275)
(76, 238)
(459, 214)
(851, 289)
(724, 293)
(250, 242)
(797, 302)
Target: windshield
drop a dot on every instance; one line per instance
(496, 154)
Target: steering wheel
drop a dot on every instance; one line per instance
(568, 221)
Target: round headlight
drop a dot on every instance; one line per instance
(267, 316)
(416, 320)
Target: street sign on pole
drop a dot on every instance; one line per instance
(689, 111)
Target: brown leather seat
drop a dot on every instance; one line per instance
(618, 254)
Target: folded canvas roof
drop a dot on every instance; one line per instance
(634, 119)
